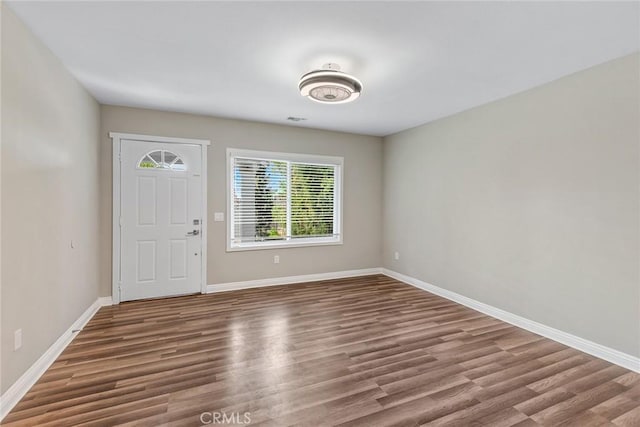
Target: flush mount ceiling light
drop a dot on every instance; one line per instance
(330, 85)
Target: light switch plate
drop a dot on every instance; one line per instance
(218, 216)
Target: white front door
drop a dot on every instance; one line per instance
(161, 218)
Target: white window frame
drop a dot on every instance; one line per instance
(338, 162)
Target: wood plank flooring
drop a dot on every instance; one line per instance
(366, 351)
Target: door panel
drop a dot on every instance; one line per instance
(146, 200)
(161, 206)
(179, 204)
(178, 259)
(146, 260)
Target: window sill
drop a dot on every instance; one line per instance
(282, 245)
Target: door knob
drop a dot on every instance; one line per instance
(193, 233)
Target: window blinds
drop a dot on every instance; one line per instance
(280, 200)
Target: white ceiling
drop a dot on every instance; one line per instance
(418, 61)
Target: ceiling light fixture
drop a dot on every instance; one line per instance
(330, 85)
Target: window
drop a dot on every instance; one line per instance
(278, 199)
(161, 159)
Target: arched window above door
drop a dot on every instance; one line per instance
(161, 159)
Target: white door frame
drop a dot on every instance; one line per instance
(117, 139)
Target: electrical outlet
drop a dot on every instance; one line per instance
(17, 339)
(396, 256)
(218, 216)
(276, 259)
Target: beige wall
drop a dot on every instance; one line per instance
(362, 209)
(529, 204)
(50, 133)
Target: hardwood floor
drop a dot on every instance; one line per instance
(367, 351)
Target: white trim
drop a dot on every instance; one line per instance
(283, 244)
(203, 220)
(117, 138)
(151, 138)
(116, 277)
(289, 157)
(17, 391)
(336, 161)
(289, 280)
(105, 301)
(609, 354)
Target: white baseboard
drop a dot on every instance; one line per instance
(234, 286)
(103, 302)
(13, 395)
(609, 354)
